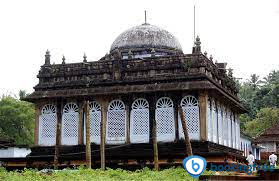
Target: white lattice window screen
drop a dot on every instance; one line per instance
(238, 132)
(229, 129)
(139, 132)
(47, 125)
(209, 114)
(225, 127)
(116, 123)
(164, 116)
(70, 121)
(214, 122)
(220, 127)
(190, 108)
(95, 122)
(233, 132)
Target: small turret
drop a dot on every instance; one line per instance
(63, 60)
(197, 47)
(84, 58)
(47, 58)
(230, 72)
(153, 52)
(130, 54)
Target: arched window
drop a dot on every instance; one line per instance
(70, 121)
(190, 108)
(165, 120)
(116, 123)
(95, 122)
(47, 125)
(139, 132)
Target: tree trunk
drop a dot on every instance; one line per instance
(155, 146)
(88, 143)
(185, 130)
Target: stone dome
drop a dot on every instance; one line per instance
(146, 36)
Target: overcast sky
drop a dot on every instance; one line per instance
(243, 33)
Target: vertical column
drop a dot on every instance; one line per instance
(214, 122)
(153, 133)
(224, 126)
(203, 98)
(59, 106)
(233, 130)
(209, 118)
(81, 123)
(237, 133)
(128, 119)
(220, 125)
(229, 129)
(88, 142)
(104, 109)
(155, 146)
(176, 119)
(37, 119)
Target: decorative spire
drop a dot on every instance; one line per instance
(230, 72)
(205, 53)
(197, 47)
(47, 58)
(84, 58)
(145, 18)
(198, 41)
(130, 54)
(211, 58)
(63, 60)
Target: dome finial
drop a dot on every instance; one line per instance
(145, 18)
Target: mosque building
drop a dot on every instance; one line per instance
(139, 84)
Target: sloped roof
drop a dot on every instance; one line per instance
(270, 135)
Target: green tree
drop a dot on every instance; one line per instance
(17, 120)
(255, 81)
(266, 118)
(22, 94)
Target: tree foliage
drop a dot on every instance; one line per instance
(266, 118)
(261, 98)
(17, 120)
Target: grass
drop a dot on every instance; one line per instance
(83, 174)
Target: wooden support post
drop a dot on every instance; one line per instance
(88, 143)
(58, 135)
(81, 123)
(104, 108)
(155, 146)
(176, 123)
(37, 122)
(185, 130)
(203, 98)
(128, 121)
